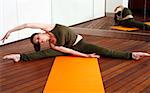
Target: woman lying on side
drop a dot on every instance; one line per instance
(123, 17)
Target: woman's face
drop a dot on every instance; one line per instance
(41, 38)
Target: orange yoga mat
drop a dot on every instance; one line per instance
(126, 28)
(148, 23)
(123, 28)
(74, 75)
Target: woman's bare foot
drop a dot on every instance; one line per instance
(139, 55)
(14, 57)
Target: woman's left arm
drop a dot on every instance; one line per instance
(44, 27)
(127, 17)
(72, 52)
(128, 13)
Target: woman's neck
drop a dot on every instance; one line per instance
(52, 38)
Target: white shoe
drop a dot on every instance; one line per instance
(14, 57)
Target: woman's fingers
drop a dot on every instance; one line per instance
(5, 37)
(94, 55)
(97, 56)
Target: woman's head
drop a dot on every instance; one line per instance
(39, 38)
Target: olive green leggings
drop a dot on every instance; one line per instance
(86, 47)
(133, 23)
(41, 54)
(83, 47)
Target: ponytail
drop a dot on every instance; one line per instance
(37, 47)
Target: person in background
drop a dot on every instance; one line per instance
(123, 17)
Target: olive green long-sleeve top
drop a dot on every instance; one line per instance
(64, 35)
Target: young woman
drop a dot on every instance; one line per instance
(63, 41)
(123, 17)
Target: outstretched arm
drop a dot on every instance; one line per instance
(72, 52)
(44, 27)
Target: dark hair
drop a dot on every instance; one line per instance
(37, 45)
(117, 7)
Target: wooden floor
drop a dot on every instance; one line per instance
(119, 76)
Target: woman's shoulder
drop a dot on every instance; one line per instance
(126, 9)
(60, 25)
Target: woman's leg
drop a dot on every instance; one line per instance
(85, 47)
(140, 25)
(41, 54)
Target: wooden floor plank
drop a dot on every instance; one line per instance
(140, 86)
(131, 80)
(145, 90)
(136, 84)
(121, 76)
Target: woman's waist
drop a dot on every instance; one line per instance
(78, 39)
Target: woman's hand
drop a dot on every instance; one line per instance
(6, 36)
(93, 55)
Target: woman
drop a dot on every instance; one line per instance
(123, 17)
(64, 41)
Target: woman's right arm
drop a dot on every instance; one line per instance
(44, 27)
(72, 52)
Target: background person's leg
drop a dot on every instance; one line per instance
(147, 27)
(140, 25)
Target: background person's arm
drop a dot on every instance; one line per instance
(127, 17)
